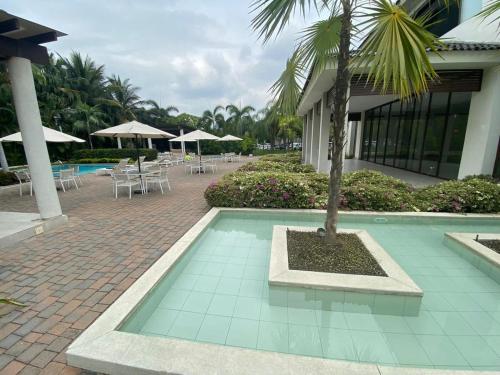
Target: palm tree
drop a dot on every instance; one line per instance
(88, 119)
(124, 98)
(239, 116)
(394, 55)
(84, 79)
(213, 118)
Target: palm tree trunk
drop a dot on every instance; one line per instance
(339, 117)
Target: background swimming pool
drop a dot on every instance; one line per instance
(218, 293)
(83, 168)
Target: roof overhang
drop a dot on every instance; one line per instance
(317, 84)
(21, 38)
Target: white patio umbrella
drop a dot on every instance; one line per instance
(133, 129)
(49, 134)
(196, 136)
(228, 138)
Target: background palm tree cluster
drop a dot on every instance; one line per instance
(76, 96)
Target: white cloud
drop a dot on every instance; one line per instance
(193, 54)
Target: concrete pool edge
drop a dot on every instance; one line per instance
(102, 348)
(397, 282)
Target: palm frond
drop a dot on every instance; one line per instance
(9, 301)
(491, 8)
(319, 43)
(286, 90)
(395, 52)
(273, 15)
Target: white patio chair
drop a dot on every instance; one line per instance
(23, 177)
(126, 181)
(66, 176)
(77, 174)
(159, 178)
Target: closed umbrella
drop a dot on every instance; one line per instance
(196, 136)
(136, 130)
(49, 134)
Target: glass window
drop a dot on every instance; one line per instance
(417, 133)
(366, 135)
(434, 133)
(453, 143)
(403, 146)
(382, 132)
(374, 135)
(392, 133)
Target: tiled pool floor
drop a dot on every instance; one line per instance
(218, 293)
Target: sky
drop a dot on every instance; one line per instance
(193, 54)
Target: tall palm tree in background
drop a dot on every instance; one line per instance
(213, 118)
(84, 79)
(239, 117)
(124, 98)
(394, 55)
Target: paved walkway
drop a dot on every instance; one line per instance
(415, 179)
(69, 276)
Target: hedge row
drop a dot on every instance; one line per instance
(115, 153)
(361, 190)
(274, 166)
(95, 161)
(289, 157)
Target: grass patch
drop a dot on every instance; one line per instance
(309, 252)
(492, 244)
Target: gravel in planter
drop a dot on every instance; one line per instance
(492, 244)
(309, 252)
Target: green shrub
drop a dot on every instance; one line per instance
(289, 157)
(486, 177)
(367, 190)
(264, 190)
(273, 166)
(470, 195)
(115, 153)
(7, 178)
(95, 161)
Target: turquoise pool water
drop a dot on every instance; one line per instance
(83, 168)
(218, 293)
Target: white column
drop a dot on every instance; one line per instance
(304, 138)
(119, 140)
(35, 148)
(150, 143)
(324, 136)
(183, 146)
(359, 137)
(307, 140)
(3, 159)
(483, 127)
(315, 136)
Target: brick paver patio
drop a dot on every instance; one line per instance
(69, 276)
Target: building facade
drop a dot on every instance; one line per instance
(450, 132)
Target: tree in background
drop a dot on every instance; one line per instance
(213, 119)
(239, 119)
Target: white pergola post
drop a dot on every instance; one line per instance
(150, 143)
(312, 135)
(119, 140)
(324, 135)
(3, 159)
(315, 136)
(305, 138)
(35, 148)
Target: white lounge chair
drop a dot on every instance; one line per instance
(158, 178)
(23, 177)
(66, 176)
(126, 181)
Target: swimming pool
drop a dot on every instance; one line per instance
(82, 168)
(219, 293)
